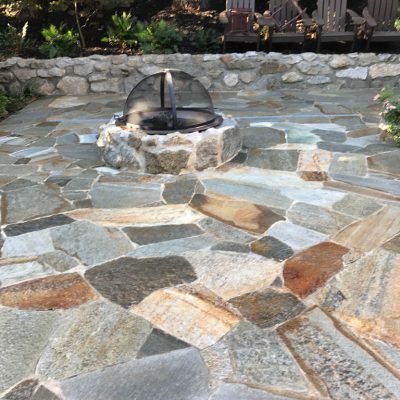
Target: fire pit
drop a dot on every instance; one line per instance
(169, 125)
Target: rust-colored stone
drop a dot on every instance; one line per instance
(319, 176)
(307, 271)
(54, 292)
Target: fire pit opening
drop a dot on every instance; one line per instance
(169, 101)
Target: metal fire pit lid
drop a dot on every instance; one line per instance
(170, 101)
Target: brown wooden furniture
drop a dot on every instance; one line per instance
(282, 18)
(333, 26)
(379, 21)
(238, 19)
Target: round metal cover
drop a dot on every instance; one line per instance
(170, 101)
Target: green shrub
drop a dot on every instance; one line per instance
(206, 41)
(158, 37)
(14, 42)
(397, 24)
(3, 105)
(122, 32)
(59, 43)
(391, 112)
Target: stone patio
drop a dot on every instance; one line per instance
(273, 277)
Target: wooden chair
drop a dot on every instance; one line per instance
(379, 21)
(238, 19)
(282, 19)
(333, 25)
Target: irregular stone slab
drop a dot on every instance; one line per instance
(170, 214)
(28, 244)
(180, 192)
(365, 295)
(12, 271)
(357, 206)
(223, 273)
(318, 218)
(268, 308)
(23, 335)
(337, 147)
(348, 164)
(389, 186)
(255, 357)
(295, 236)
(365, 131)
(17, 184)
(370, 232)
(393, 244)
(54, 292)
(307, 271)
(44, 394)
(23, 391)
(58, 260)
(223, 231)
(37, 224)
(90, 243)
(244, 215)
(161, 233)
(330, 136)
(128, 281)
(193, 316)
(229, 391)
(177, 375)
(111, 195)
(259, 194)
(231, 246)
(314, 164)
(261, 138)
(174, 247)
(270, 247)
(282, 160)
(318, 197)
(31, 202)
(91, 337)
(385, 162)
(342, 368)
(333, 108)
(159, 342)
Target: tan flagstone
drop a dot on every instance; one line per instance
(114, 217)
(241, 214)
(230, 274)
(314, 164)
(372, 231)
(193, 316)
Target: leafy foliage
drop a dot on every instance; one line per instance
(397, 24)
(59, 43)
(122, 32)
(14, 42)
(206, 41)
(158, 37)
(4, 100)
(391, 112)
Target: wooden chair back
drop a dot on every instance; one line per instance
(384, 12)
(232, 4)
(239, 20)
(333, 12)
(285, 14)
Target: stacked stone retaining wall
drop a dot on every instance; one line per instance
(218, 72)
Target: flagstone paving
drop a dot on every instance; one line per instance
(275, 276)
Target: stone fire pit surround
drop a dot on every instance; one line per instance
(175, 153)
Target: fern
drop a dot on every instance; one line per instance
(122, 32)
